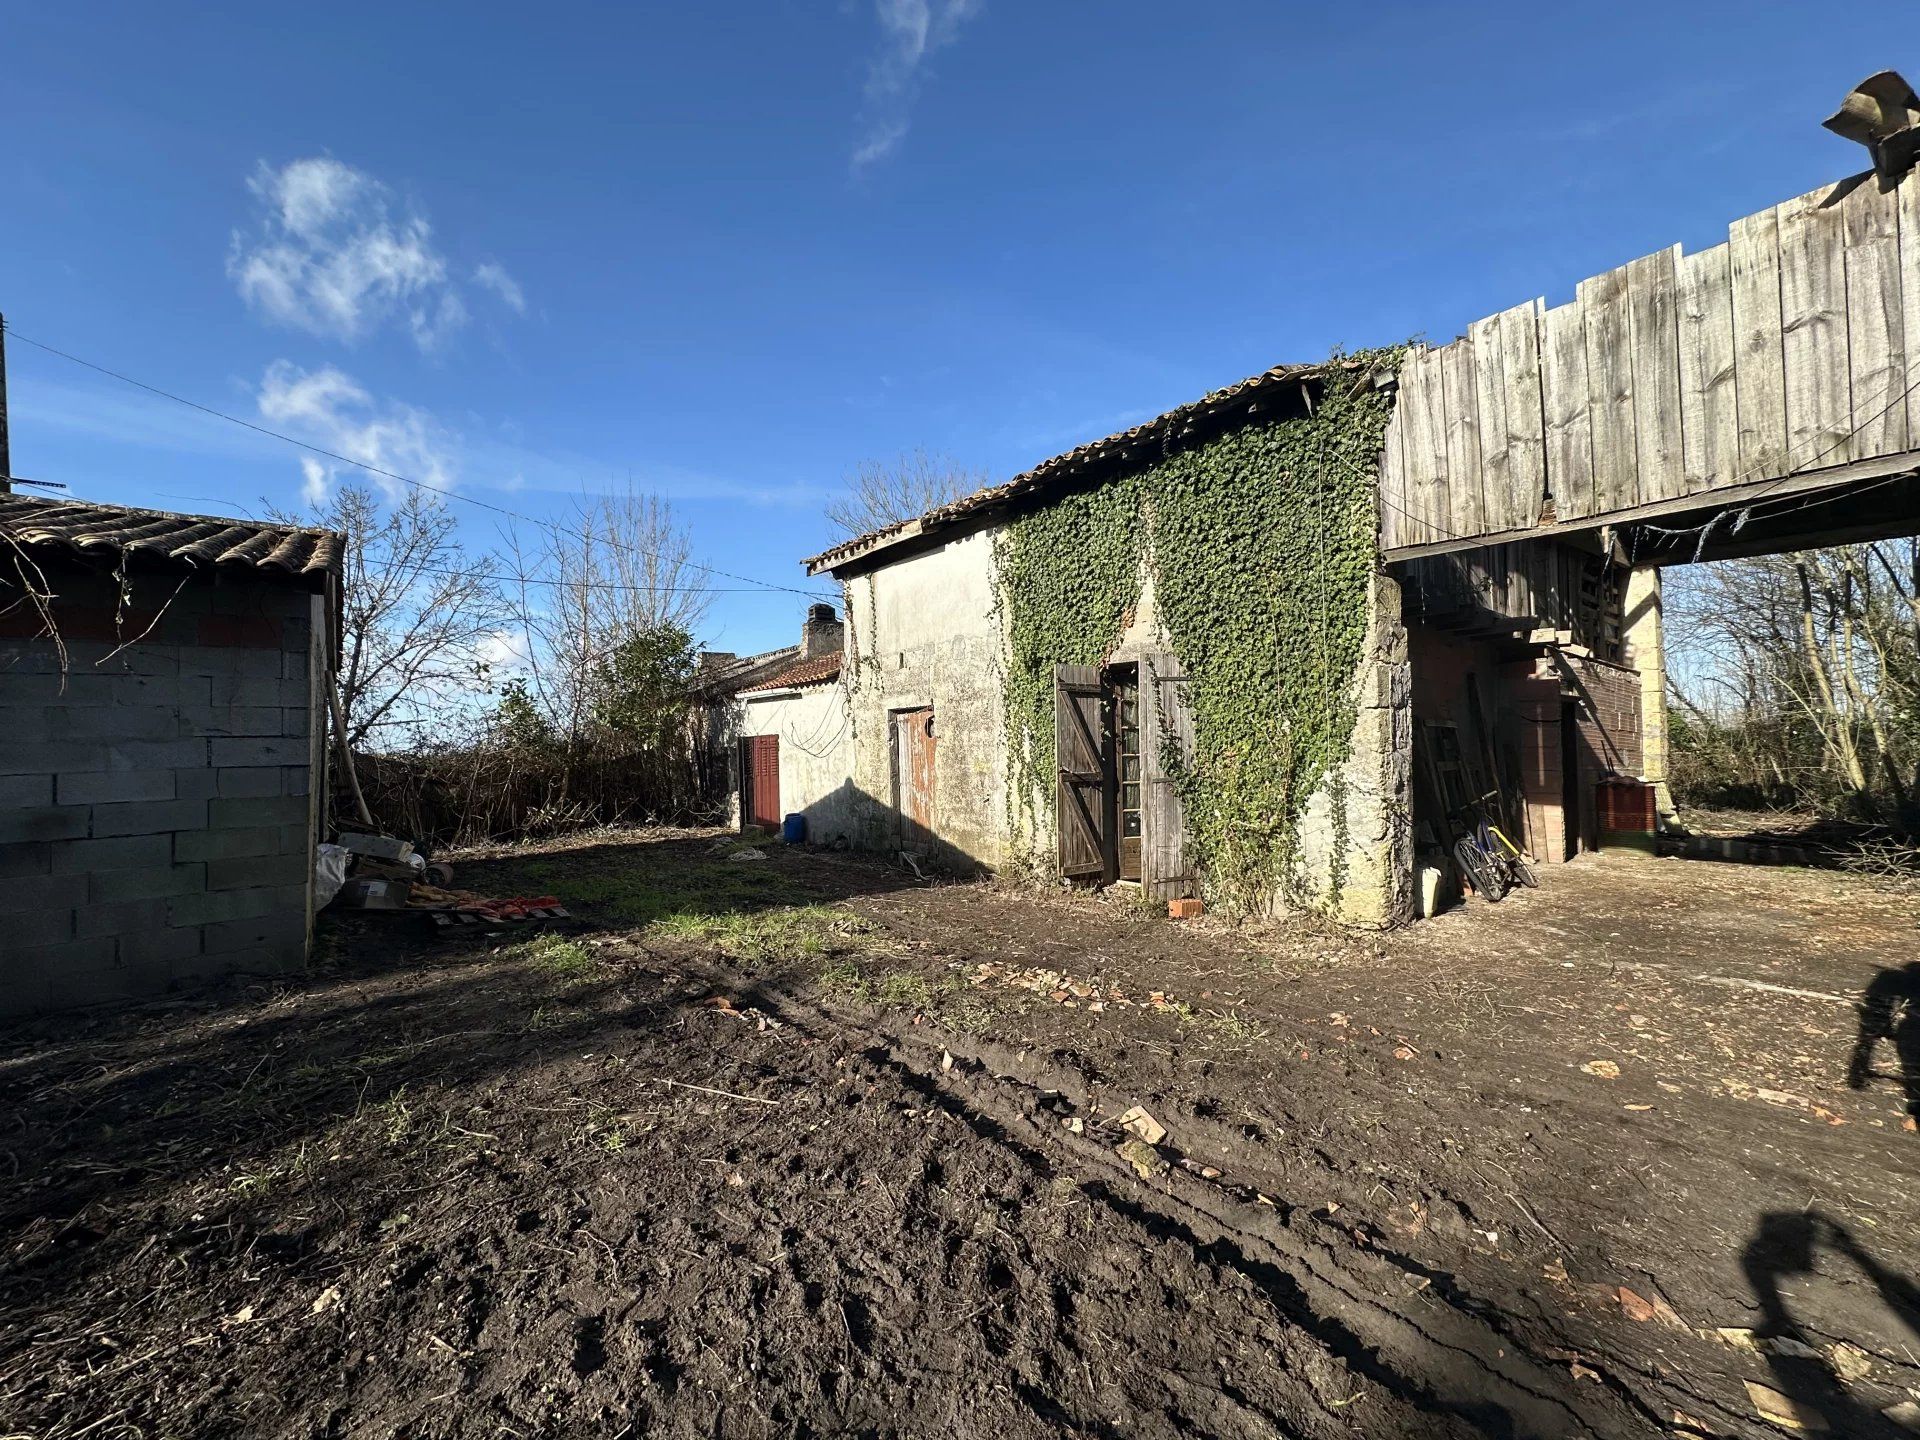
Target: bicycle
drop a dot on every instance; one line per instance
(1492, 863)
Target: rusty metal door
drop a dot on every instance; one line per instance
(914, 743)
(760, 781)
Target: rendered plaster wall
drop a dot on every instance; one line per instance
(816, 752)
(925, 630)
(1646, 652)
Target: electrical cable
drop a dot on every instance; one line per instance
(395, 476)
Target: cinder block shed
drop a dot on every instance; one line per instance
(163, 689)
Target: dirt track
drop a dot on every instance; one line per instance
(441, 1192)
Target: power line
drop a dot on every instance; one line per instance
(557, 529)
(593, 584)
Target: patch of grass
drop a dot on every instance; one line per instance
(908, 989)
(750, 910)
(968, 1014)
(266, 1178)
(783, 932)
(393, 1117)
(553, 953)
(1242, 1030)
(844, 977)
(641, 894)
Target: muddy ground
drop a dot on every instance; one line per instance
(798, 1145)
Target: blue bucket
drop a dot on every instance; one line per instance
(793, 830)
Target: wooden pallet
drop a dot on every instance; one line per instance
(450, 921)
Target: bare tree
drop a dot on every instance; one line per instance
(420, 612)
(1800, 674)
(619, 569)
(885, 492)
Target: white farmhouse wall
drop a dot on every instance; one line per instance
(816, 746)
(925, 630)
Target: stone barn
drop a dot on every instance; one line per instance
(163, 694)
(1282, 646)
(1166, 658)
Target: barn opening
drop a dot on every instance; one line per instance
(1553, 472)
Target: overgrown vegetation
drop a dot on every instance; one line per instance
(1796, 681)
(528, 692)
(1261, 544)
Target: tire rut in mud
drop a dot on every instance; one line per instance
(1436, 1348)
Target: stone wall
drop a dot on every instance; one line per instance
(1357, 860)
(157, 810)
(927, 629)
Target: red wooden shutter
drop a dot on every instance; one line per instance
(763, 780)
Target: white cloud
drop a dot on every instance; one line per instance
(505, 652)
(911, 31)
(316, 482)
(330, 409)
(492, 275)
(327, 254)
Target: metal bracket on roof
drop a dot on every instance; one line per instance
(1882, 113)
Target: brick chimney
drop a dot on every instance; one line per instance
(821, 634)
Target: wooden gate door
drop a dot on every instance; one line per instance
(760, 776)
(1081, 809)
(1166, 739)
(913, 750)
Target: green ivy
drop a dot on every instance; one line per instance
(1262, 545)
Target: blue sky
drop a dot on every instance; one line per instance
(732, 251)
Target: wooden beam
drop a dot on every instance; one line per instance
(1883, 467)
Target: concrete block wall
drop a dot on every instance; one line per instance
(157, 810)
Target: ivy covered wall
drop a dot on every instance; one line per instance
(1261, 548)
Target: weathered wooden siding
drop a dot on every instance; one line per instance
(1521, 587)
(1783, 351)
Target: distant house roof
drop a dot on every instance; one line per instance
(722, 675)
(817, 671)
(1255, 395)
(187, 540)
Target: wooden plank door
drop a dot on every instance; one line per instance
(1080, 797)
(1166, 740)
(914, 744)
(1125, 770)
(760, 777)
